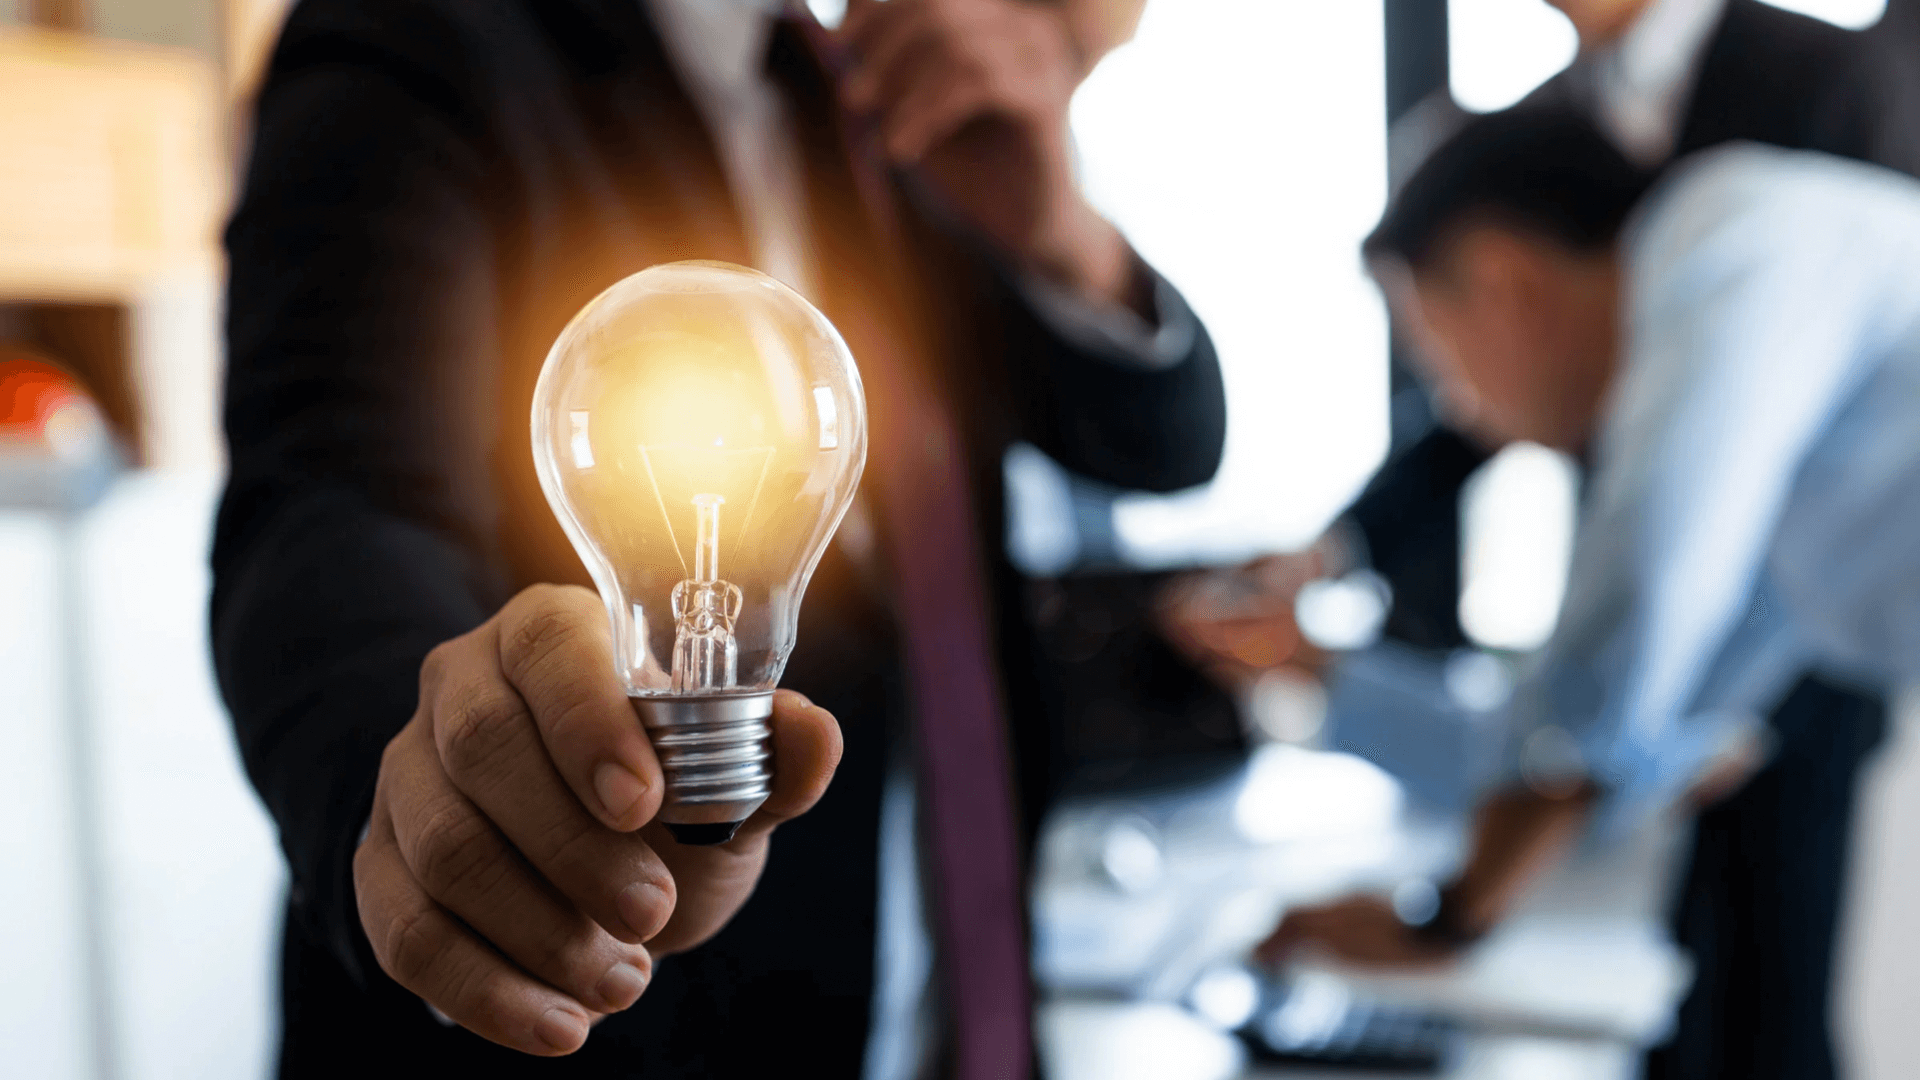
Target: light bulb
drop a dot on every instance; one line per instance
(699, 429)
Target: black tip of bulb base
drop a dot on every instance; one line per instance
(705, 834)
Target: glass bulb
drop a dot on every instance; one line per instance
(699, 429)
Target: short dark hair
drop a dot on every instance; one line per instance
(1543, 169)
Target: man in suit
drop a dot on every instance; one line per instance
(1736, 354)
(421, 689)
(1760, 901)
(1663, 79)
(1759, 906)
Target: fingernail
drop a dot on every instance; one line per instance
(618, 789)
(561, 1029)
(643, 907)
(622, 986)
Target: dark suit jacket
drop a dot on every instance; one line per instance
(435, 187)
(1767, 75)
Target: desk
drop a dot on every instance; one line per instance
(1138, 895)
(1127, 1040)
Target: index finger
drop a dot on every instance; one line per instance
(431, 952)
(557, 651)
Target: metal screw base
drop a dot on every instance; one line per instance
(717, 758)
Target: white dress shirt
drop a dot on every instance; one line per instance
(719, 50)
(1637, 88)
(1755, 510)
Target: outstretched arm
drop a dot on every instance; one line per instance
(463, 791)
(1518, 834)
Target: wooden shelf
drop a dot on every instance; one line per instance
(113, 183)
(112, 169)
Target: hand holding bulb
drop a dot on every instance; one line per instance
(506, 877)
(519, 872)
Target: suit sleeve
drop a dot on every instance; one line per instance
(1409, 519)
(1145, 412)
(349, 542)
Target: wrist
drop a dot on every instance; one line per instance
(1082, 251)
(1456, 920)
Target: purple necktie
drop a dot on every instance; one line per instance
(965, 767)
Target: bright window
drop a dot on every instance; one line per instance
(1853, 14)
(1498, 50)
(1517, 518)
(1241, 145)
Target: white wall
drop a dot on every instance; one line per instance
(192, 878)
(1877, 997)
(43, 996)
(1241, 144)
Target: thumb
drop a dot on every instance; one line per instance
(806, 750)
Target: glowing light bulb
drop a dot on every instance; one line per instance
(699, 429)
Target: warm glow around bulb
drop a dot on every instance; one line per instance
(699, 430)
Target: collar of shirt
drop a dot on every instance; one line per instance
(718, 46)
(719, 50)
(1638, 87)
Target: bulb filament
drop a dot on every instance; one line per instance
(704, 608)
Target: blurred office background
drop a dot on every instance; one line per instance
(1243, 146)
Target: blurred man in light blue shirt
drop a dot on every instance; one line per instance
(1737, 353)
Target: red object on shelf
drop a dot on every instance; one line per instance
(32, 391)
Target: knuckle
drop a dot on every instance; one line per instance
(475, 725)
(535, 639)
(437, 664)
(574, 720)
(363, 872)
(453, 853)
(669, 898)
(578, 956)
(997, 84)
(971, 72)
(486, 996)
(388, 765)
(414, 944)
(571, 851)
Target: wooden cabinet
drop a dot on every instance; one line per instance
(110, 164)
(113, 184)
